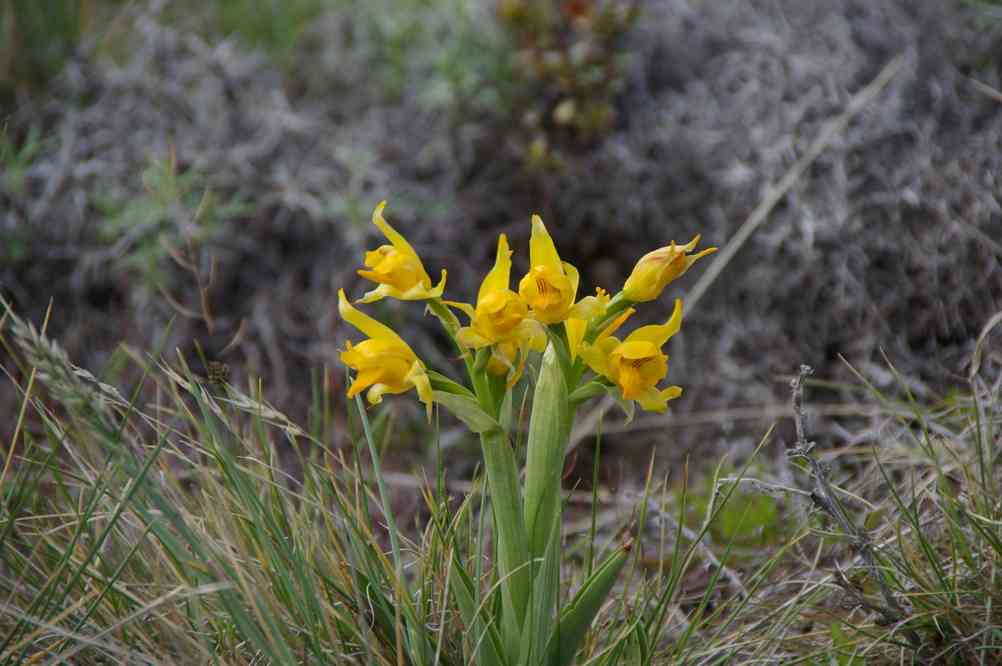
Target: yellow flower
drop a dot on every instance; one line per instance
(657, 269)
(501, 319)
(588, 308)
(499, 312)
(636, 364)
(550, 285)
(502, 361)
(384, 363)
(396, 268)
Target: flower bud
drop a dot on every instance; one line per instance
(657, 269)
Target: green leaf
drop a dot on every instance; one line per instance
(628, 406)
(467, 410)
(845, 650)
(549, 428)
(540, 615)
(484, 635)
(506, 412)
(509, 527)
(577, 618)
(440, 382)
(587, 391)
(873, 519)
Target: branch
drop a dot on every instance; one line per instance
(823, 497)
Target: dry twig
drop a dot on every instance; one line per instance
(824, 498)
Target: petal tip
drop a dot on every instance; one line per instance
(343, 304)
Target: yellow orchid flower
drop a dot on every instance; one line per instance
(655, 270)
(384, 363)
(550, 285)
(499, 312)
(501, 319)
(636, 364)
(588, 308)
(396, 268)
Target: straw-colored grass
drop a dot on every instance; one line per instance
(161, 528)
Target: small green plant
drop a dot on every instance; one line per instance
(16, 159)
(148, 231)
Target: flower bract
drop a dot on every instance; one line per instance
(396, 268)
(384, 363)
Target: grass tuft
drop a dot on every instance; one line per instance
(164, 527)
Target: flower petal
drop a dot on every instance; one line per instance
(654, 400)
(499, 277)
(534, 333)
(398, 241)
(589, 307)
(691, 245)
(542, 251)
(377, 294)
(367, 324)
(574, 277)
(376, 393)
(659, 334)
(419, 292)
(575, 335)
(364, 380)
(614, 324)
(419, 378)
(597, 355)
(466, 308)
(468, 337)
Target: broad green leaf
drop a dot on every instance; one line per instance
(587, 391)
(549, 428)
(577, 618)
(440, 382)
(467, 410)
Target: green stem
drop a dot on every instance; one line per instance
(414, 636)
(384, 496)
(449, 321)
(613, 310)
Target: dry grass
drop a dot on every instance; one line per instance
(169, 532)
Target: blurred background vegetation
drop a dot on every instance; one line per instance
(199, 175)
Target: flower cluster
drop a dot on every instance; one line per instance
(506, 325)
